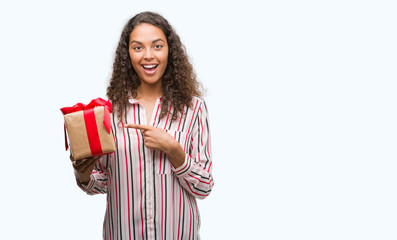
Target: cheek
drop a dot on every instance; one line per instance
(134, 60)
(166, 55)
(163, 55)
(164, 58)
(134, 56)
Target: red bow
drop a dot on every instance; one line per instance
(89, 115)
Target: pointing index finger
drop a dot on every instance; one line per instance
(136, 126)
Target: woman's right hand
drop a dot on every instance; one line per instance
(83, 168)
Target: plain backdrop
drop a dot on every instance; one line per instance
(302, 103)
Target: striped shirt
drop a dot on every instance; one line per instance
(147, 198)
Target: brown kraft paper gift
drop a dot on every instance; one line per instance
(85, 138)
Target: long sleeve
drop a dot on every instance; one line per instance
(195, 175)
(99, 178)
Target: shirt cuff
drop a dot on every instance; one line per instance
(184, 169)
(87, 186)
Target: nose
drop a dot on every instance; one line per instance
(148, 54)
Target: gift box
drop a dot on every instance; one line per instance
(88, 128)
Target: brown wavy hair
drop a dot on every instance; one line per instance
(179, 83)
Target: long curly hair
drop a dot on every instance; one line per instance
(179, 83)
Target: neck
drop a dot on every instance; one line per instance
(149, 91)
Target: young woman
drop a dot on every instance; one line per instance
(163, 159)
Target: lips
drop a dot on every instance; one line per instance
(149, 68)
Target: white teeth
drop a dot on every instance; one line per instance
(149, 66)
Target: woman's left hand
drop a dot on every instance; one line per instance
(159, 139)
(154, 138)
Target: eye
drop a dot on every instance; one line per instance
(137, 48)
(158, 46)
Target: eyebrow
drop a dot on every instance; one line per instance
(154, 41)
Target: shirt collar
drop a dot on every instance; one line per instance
(134, 101)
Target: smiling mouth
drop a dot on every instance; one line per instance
(150, 68)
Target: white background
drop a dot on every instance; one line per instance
(302, 100)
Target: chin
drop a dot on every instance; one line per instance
(151, 81)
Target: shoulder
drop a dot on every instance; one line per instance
(197, 100)
(199, 103)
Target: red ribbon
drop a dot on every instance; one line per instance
(90, 122)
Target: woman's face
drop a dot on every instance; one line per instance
(148, 52)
